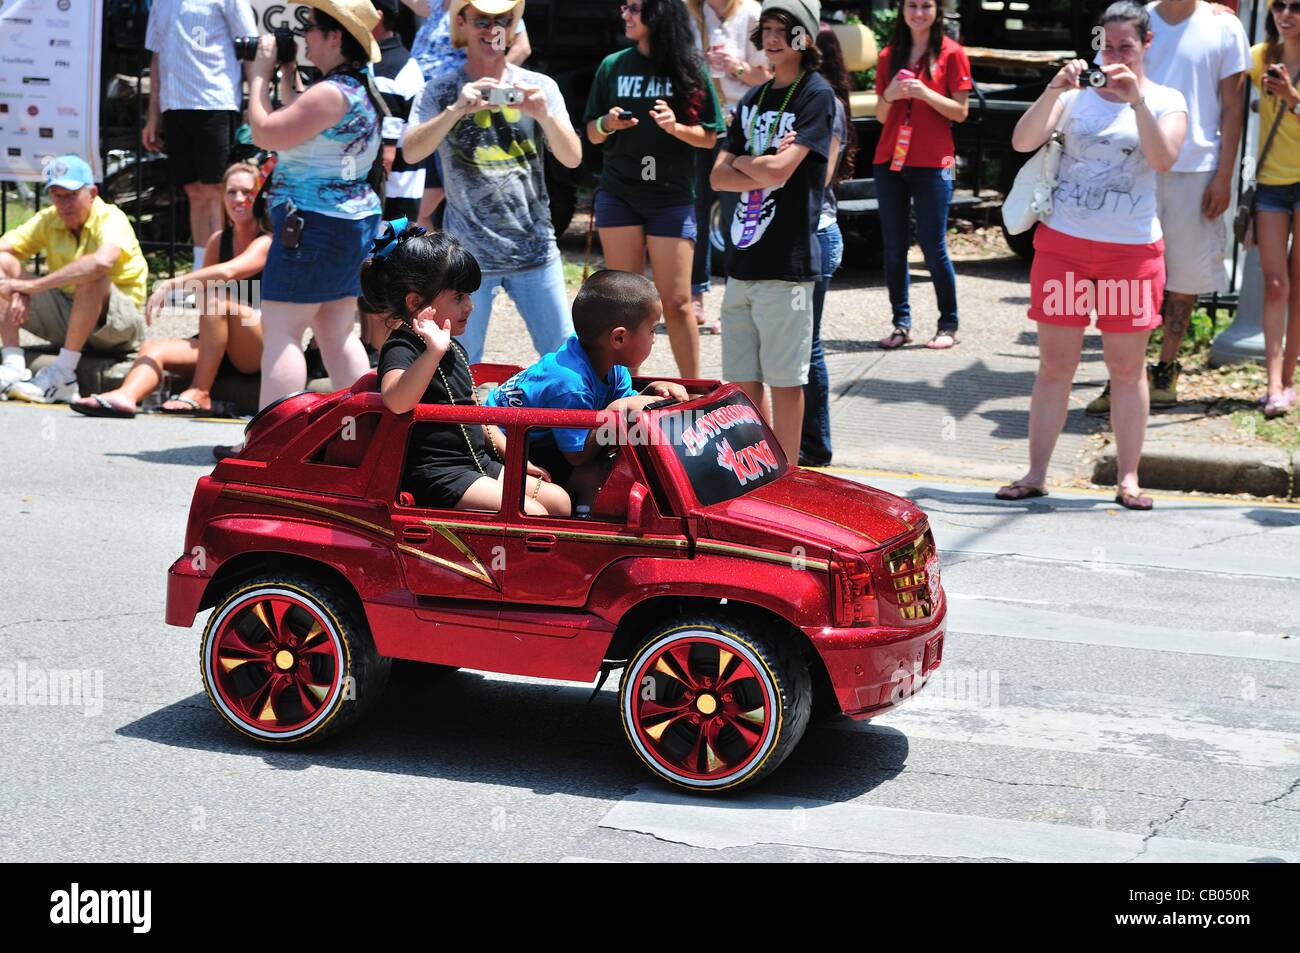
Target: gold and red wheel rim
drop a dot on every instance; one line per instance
(275, 663)
(701, 708)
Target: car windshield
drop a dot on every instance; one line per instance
(723, 446)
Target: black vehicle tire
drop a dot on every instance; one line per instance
(717, 239)
(1022, 244)
(288, 660)
(714, 730)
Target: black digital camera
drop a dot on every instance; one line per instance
(1094, 78)
(286, 46)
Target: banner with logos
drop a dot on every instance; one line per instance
(49, 84)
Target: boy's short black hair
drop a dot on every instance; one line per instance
(612, 299)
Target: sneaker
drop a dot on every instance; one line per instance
(47, 388)
(1162, 381)
(10, 376)
(1100, 405)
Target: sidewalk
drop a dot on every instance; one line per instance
(965, 412)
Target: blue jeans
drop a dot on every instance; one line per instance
(815, 445)
(539, 295)
(702, 265)
(929, 191)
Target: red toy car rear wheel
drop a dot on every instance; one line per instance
(280, 661)
(710, 707)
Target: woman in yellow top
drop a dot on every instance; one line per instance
(1276, 61)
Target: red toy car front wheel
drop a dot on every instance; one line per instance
(709, 706)
(286, 660)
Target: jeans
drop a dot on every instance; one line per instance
(929, 191)
(539, 295)
(815, 444)
(702, 265)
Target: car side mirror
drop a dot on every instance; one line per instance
(636, 506)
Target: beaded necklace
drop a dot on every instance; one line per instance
(473, 389)
(758, 111)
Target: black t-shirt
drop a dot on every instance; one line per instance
(773, 231)
(437, 447)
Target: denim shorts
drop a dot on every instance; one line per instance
(675, 221)
(1277, 198)
(325, 266)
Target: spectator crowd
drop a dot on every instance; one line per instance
(399, 177)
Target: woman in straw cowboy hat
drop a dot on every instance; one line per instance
(493, 169)
(322, 195)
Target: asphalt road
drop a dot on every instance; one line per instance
(1116, 687)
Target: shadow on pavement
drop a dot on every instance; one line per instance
(185, 456)
(544, 737)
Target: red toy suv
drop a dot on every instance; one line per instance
(737, 593)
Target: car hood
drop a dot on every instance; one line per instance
(816, 506)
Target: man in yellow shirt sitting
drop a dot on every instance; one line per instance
(92, 294)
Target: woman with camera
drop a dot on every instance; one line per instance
(1275, 62)
(1101, 249)
(322, 195)
(653, 108)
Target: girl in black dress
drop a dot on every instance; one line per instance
(423, 283)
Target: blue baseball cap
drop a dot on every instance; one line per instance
(68, 172)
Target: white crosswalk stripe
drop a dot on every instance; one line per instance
(862, 828)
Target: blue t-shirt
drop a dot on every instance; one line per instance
(563, 380)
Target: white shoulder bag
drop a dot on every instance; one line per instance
(1030, 198)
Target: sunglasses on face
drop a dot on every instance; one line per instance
(633, 9)
(1279, 7)
(483, 23)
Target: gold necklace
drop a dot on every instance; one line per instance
(473, 389)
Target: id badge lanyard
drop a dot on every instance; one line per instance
(904, 141)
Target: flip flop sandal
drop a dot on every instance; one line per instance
(97, 405)
(709, 327)
(933, 346)
(897, 338)
(1011, 492)
(1134, 501)
(194, 410)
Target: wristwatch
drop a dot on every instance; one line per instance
(739, 71)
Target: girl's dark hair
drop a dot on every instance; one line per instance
(900, 41)
(1130, 11)
(812, 54)
(420, 264)
(1273, 52)
(351, 49)
(835, 73)
(673, 51)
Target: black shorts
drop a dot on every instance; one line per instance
(442, 489)
(198, 143)
(397, 207)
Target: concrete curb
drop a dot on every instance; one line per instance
(1209, 468)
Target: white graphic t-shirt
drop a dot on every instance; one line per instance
(1106, 190)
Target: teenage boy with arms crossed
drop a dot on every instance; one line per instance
(775, 156)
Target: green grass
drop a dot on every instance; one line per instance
(1283, 432)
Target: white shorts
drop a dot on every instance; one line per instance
(1194, 245)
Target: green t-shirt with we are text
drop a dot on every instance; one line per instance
(644, 165)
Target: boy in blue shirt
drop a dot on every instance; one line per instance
(614, 319)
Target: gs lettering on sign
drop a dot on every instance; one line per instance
(277, 16)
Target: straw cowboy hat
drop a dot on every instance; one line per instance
(358, 17)
(491, 8)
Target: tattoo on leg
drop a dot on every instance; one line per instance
(1178, 312)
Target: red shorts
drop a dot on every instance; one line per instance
(1073, 277)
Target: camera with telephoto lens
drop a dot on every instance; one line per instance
(1094, 78)
(503, 96)
(286, 46)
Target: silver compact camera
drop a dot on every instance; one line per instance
(503, 96)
